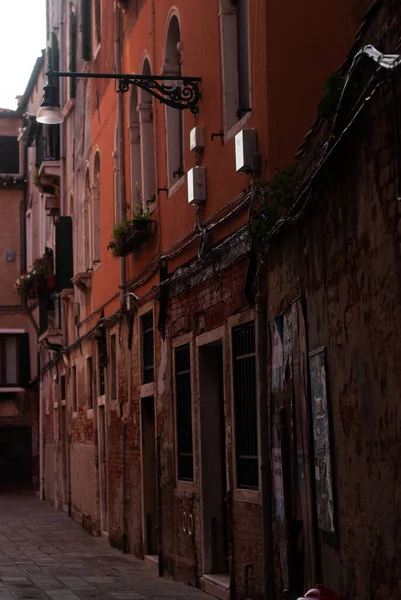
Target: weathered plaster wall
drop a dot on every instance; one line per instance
(345, 258)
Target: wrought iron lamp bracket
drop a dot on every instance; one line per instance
(177, 92)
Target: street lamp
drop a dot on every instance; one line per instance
(177, 92)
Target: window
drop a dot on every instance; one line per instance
(98, 21)
(86, 28)
(174, 118)
(96, 208)
(148, 370)
(73, 52)
(9, 155)
(234, 31)
(113, 367)
(147, 145)
(246, 435)
(243, 56)
(135, 149)
(62, 387)
(89, 374)
(14, 360)
(74, 389)
(9, 360)
(184, 413)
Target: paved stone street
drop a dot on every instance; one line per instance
(44, 554)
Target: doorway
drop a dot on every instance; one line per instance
(213, 457)
(104, 521)
(15, 458)
(149, 476)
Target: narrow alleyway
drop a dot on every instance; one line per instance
(44, 554)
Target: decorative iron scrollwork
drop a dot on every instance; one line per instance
(181, 93)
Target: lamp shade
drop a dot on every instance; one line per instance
(50, 112)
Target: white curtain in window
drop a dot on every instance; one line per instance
(11, 361)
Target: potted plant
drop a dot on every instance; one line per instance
(121, 233)
(30, 284)
(129, 233)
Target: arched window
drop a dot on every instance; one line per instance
(135, 149)
(86, 232)
(96, 208)
(174, 117)
(147, 143)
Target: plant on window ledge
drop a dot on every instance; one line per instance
(129, 233)
(36, 281)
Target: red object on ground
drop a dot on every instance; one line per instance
(322, 593)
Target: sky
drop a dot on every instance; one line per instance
(22, 37)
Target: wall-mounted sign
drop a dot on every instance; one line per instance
(321, 440)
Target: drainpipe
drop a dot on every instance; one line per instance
(159, 507)
(41, 440)
(120, 141)
(264, 428)
(124, 449)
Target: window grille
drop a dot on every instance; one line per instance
(184, 413)
(246, 436)
(148, 368)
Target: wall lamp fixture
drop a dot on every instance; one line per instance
(177, 92)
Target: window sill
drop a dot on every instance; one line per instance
(68, 106)
(9, 390)
(176, 186)
(147, 389)
(249, 496)
(231, 133)
(185, 487)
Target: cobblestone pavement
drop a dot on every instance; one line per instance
(45, 555)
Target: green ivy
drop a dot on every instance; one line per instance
(277, 197)
(332, 89)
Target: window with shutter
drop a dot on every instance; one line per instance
(86, 28)
(64, 256)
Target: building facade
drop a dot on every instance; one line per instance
(19, 389)
(154, 395)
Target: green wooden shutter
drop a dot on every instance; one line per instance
(64, 254)
(24, 360)
(86, 29)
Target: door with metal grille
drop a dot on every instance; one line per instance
(184, 413)
(246, 435)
